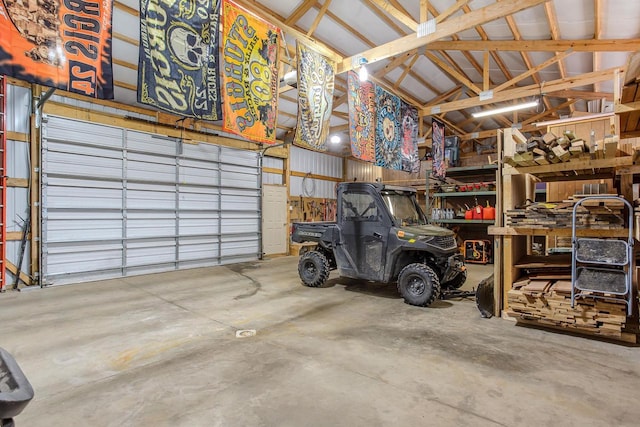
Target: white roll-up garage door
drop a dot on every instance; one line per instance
(117, 202)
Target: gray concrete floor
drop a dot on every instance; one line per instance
(162, 350)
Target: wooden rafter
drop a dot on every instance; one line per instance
(445, 29)
(555, 45)
(555, 35)
(405, 72)
(424, 10)
(299, 12)
(396, 13)
(523, 92)
(545, 113)
(596, 35)
(453, 73)
(532, 70)
(319, 17)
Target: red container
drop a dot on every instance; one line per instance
(489, 213)
(477, 212)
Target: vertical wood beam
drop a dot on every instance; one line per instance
(555, 35)
(424, 10)
(485, 72)
(318, 18)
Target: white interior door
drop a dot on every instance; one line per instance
(274, 219)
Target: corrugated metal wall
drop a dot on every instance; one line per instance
(18, 165)
(272, 163)
(117, 202)
(314, 163)
(363, 171)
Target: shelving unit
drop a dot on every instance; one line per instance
(468, 229)
(552, 307)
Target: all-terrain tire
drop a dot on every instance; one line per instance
(456, 282)
(313, 269)
(418, 284)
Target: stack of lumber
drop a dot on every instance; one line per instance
(551, 148)
(548, 303)
(595, 214)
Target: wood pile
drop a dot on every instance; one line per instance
(594, 214)
(551, 148)
(548, 303)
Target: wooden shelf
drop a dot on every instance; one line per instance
(465, 221)
(573, 167)
(465, 194)
(562, 232)
(465, 169)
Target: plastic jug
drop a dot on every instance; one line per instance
(489, 212)
(477, 212)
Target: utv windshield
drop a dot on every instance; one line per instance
(403, 208)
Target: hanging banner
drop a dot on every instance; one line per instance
(249, 74)
(388, 132)
(361, 97)
(61, 44)
(316, 77)
(409, 151)
(438, 165)
(178, 58)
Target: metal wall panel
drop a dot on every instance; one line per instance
(119, 202)
(18, 108)
(315, 163)
(309, 187)
(362, 171)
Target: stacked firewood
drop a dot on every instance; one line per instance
(550, 149)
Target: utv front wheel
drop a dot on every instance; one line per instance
(313, 269)
(418, 284)
(456, 282)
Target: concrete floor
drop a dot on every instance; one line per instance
(162, 350)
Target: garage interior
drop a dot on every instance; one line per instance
(149, 276)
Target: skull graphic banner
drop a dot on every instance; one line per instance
(249, 74)
(362, 117)
(60, 44)
(315, 98)
(438, 166)
(178, 62)
(388, 132)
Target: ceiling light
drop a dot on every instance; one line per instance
(291, 78)
(505, 109)
(335, 139)
(363, 74)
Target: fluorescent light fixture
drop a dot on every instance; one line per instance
(335, 139)
(505, 109)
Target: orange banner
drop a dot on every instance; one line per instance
(249, 74)
(65, 44)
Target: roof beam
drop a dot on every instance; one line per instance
(550, 11)
(316, 21)
(580, 94)
(396, 13)
(602, 45)
(522, 92)
(531, 71)
(445, 29)
(538, 116)
(452, 72)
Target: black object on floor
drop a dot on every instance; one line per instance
(484, 297)
(15, 390)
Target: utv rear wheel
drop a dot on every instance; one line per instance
(418, 284)
(456, 282)
(313, 269)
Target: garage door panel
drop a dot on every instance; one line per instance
(83, 230)
(79, 165)
(198, 226)
(83, 198)
(83, 150)
(148, 143)
(194, 201)
(154, 172)
(126, 203)
(151, 200)
(208, 152)
(150, 252)
(58, 129)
